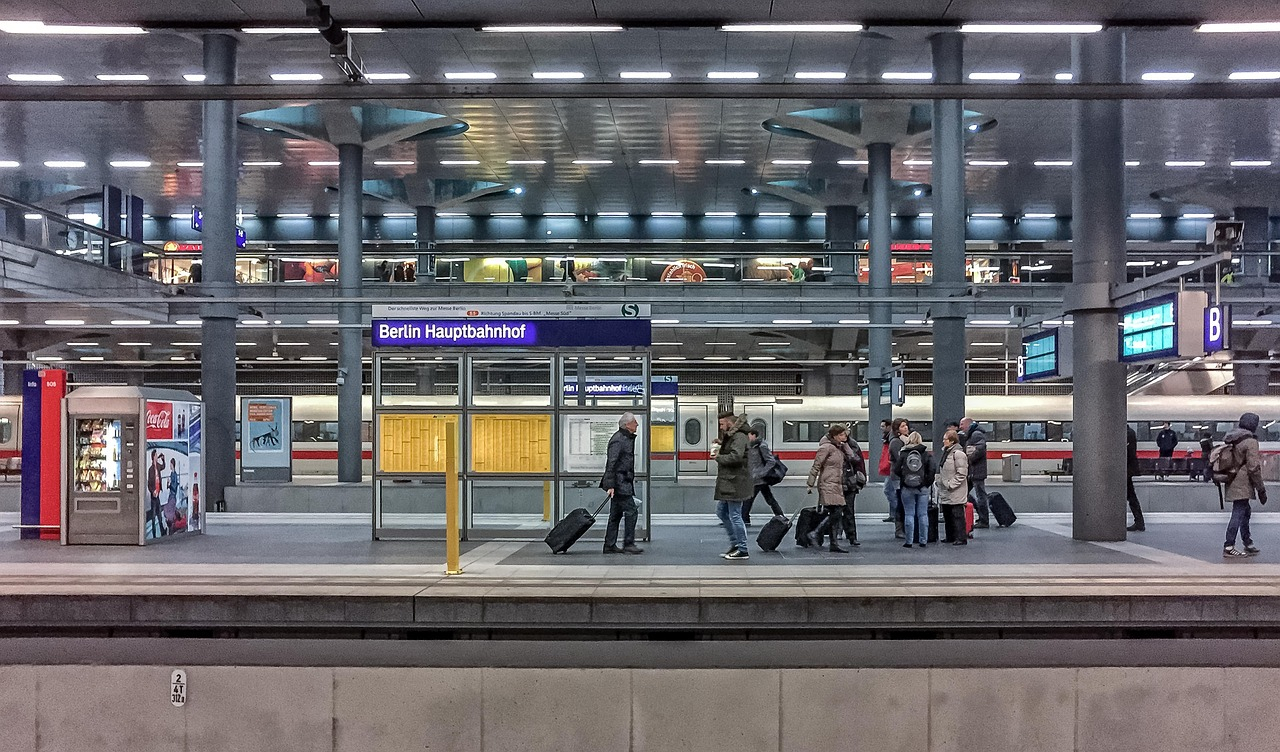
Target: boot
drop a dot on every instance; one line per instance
(834, 514)
(815, 536)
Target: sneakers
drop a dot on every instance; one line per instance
(632, 548)
(737, 555)
(612, 550)
(887, 519)
(1252, 550)
(1232, 553)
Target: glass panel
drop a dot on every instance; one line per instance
(1032, 431)
(662, 438)
(6, 430)
(514, 504)
(1053, 430)
(511, 443)
(692, 431)
(96, 465)
(584, 445)
(611, 381)
(418, 381)
(416, 503)
(315, 431)
(413, 443)
(1003, 430)
(510, 382)
(1269, 431)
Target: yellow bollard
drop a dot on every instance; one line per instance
(546, 501)
(453, 553)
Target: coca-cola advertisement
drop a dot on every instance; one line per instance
(171, 468)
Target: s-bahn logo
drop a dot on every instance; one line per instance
(630, 310)
(160, 421)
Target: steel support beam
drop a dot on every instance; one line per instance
(350, 339)
(948, 236)
(841, 238)
(218, 259)
(425, 244)
(880, 276)
(1098, 226)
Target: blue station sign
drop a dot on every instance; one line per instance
(1217, 328)
(489, 332)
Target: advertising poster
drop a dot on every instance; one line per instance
(265, 438)
(170, 469)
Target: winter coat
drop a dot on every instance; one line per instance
(975, 445)
(895, 446)
(900, 467)
(953, 476)
(1206, 446)
(620, 467)
(827, 473)
(759, 459)
(1248, 477)
(1132, 466)
(1166, 440)
(733, 476)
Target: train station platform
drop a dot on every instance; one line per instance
(320, 575)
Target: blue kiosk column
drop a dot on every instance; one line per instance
(1098, 263)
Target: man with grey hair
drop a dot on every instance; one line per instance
(618, 483)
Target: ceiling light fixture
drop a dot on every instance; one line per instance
(194, 78)
(613, 214)
(988, 163)
(1038, 215)
(794, 28)
(1251, 163)
(294, 215)
(558, 75)
(721, 214)
(131, 322)
(297, 76)
(1132, 163)
(1031, 28)
(1246, 27)
(1198, 215)
(262, 163)
(526, 161)
(470, 75)
(1064, 76)
(399, 215)
(726, 161)
(395, 162)
(792, 162)
(1168, 76)
(823, 75)
(593, 161)
(994, 76)
(659, 161)
(64, 322)
(1254, 75)
(459, 162)
(1184, 163)
(666, 214)
(1144, 215)
(138, 163)
(551, 29)
(1052, 163)
(987, 215)
(658, 75)
(64, 163)
(190, 164)
(40, 27)
(788, 322)
(733, 75)
(9, 163)
(35, 78)
(907, 76)
(917, 162)
(122, 77)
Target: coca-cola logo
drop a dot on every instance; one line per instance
(160, 420)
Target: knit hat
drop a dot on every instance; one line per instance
(1249, 422)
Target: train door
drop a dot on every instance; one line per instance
(695, 435)
(760, 417)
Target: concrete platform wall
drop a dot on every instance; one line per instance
(249, 709)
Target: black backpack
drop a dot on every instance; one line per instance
(913, 469)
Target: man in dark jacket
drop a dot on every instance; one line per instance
(975, 446)
(759, 459)
(1244, 481)
(1166, 442)
(1206, 447)
(1132, 470)
(733, 481)
(618, 483)
(898, 430)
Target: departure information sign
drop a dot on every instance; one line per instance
(1148, 330)
(1045, 355)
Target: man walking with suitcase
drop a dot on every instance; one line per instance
(618, 482)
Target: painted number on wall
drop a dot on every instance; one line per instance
(178, 688)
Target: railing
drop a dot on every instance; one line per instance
(34, 227)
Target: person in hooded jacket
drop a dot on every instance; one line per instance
(915, 472)
(1132, 470)
(827, 475)
(953, 488)
(975, 445)
(733, 481)
(1206, 446)
(1244, 481)
(760, 459)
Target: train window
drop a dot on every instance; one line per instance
(1003, 430)
(1028, 431)
(1221, 427)
(1269, 431)
(315, 430)
(692, 432)
(803, 431)
(1053, 430)
(860, 432)
(6, 430)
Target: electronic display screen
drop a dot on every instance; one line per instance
(1148, 330)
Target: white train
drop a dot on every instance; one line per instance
(1038, 428)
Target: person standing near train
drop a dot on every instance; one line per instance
(899, 429)
(1131, 465)
(953, 488)
(915, 473)
(1242, 480)
(618, 482)
(975, 446)
(1166, 442)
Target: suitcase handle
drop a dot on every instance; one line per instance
(600, 508)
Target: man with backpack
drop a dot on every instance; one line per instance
(1237, 469)
(975, 447)
(766, 470)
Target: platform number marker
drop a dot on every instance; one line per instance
(178, 688)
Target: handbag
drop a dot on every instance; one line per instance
(885, 466)
(776, 472)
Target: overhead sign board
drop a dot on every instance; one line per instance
(1217, 328)
(530, 311)
(622, 386)
(1046, 355)
(1170, 326)
(494, 332)
(197, 224)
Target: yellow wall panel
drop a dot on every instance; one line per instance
(412, 443)
(511, 443)
(662, 439)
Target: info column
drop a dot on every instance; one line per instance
(1098, 254)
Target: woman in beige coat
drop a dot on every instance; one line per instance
(953, 488)
(827, 474)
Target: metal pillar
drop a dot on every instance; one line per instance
(880, 275)
(1098, 256)
(949, 376)
(1255, 244)
(12, 364)
(1251, 378)
(218, 259)
(426, 244)
(841, 242)
(351, 338)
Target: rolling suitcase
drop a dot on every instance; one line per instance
(773, 532)
(968, 518)
(806, 521)
(1001, 510)
(571, 528)
(933, 522)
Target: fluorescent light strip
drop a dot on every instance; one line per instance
(395, 162)
(262, 163)
(726, 161)
(1254, 75)
(733, 75)
(1030, 28)
(652, 75)
(1052, 163)
(64, 322)
(194, 78)
(1198, 215)
(793, 28)
(286, 30)
(987, 215)
(1064, 76)
(659, 161)
(613, 214)
(294, 215)
(1038, 215)
(470, 75)
(1246, 27)
(297, 76)
(994, 76)
(551, 29)
(792, 162)
(131, 322)
(190, 164)
(917, 162)
(138, 163)
(1184, 163)
(822, 75)
(1144, 215)
(593, 161)
(526, 161)
(1168, 76)
(9, 163)
(1132, 163)
(792, 321)
(558, 75)
(1251, 163)
(988, 163)
(40, 27)
(721, 214)
(459, 162)
(907, 76)
(666, 214)
(42, 78)
(122, 77)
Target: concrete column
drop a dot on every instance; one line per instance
(841, 241)
(1255, 243)
(12, 364)
(13, 226)
(218, 258)
(350, 339)
(426, 243)
(948, 235)
(1098, 258)
(879, 338)
(1253, 379)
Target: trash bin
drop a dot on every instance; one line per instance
(1011, 470)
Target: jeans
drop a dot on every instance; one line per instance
(767, 492)
(730, 514)
(621, 508)
(891, 495)
(1134, 506)
(981, 509)
(915, 514)
(1240, 514)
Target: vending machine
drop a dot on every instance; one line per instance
(132, 465)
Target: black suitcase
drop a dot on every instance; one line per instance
(1001, 510)
(773, 532)
(806, 522)
(571, 528)
(933, 522)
